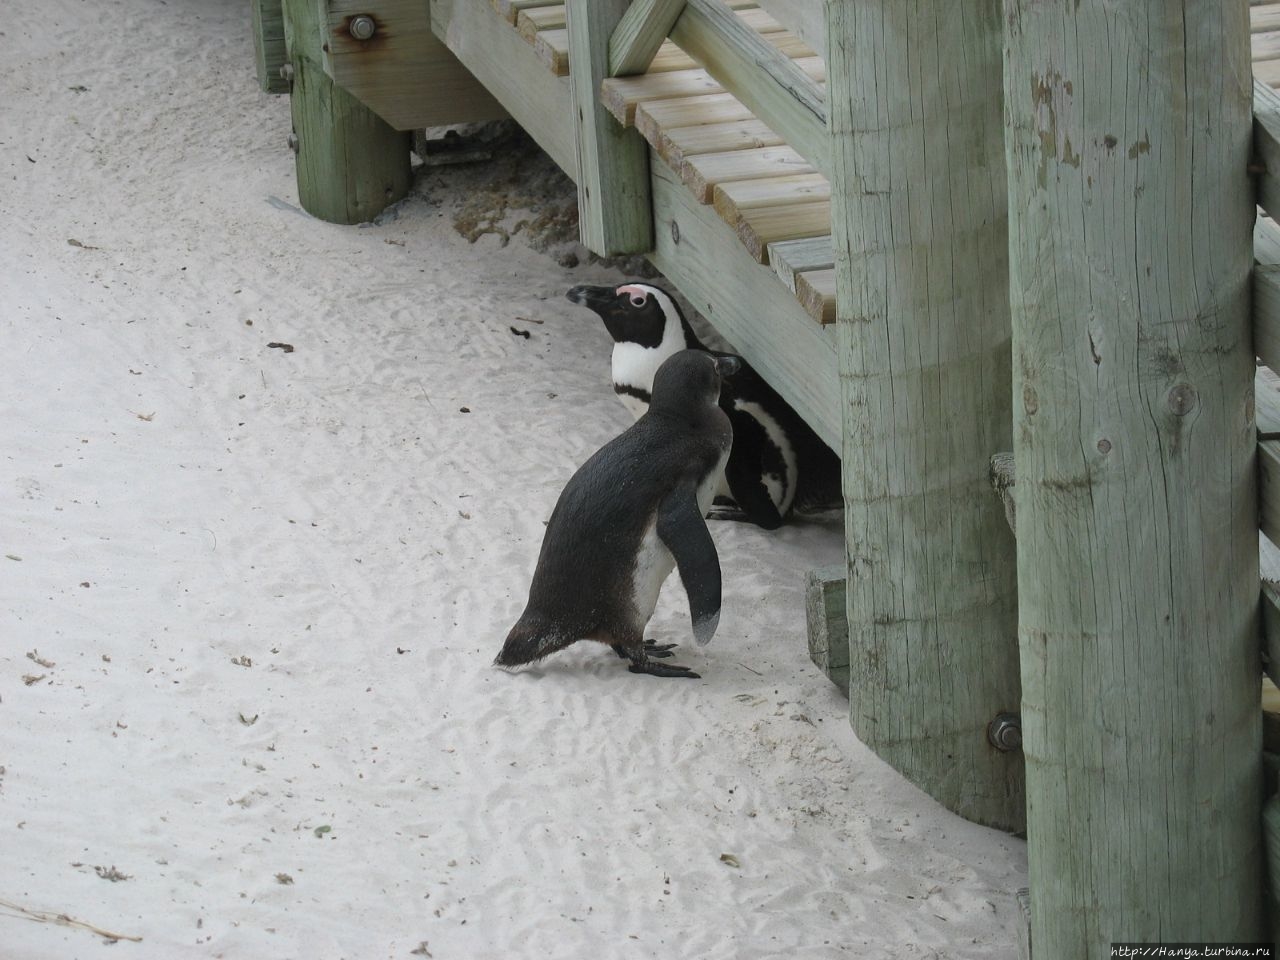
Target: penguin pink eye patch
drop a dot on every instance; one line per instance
(639, 295)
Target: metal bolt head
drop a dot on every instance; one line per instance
(675, 232)
(292, 141)
(1005, 732)
(363, 27)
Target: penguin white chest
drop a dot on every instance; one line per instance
(654, 564)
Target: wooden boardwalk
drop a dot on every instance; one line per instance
(778, 205)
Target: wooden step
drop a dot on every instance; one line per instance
(760, 226)
(730, 199)
(1264, 18)
(703, 172)
(510, 10)
(816, 291)
(1265, 46)
(656, 116)
(790, 258)
(552, 47)
(622, 95)
(1268, 71)
(676, 143)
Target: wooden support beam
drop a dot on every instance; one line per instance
(923, 316)
(510, 70)
(351, 164)
(268, 45)
(402, 73)
(745, 303)
(639, 34)
(828, 628)
(777, 90)
(1119, 383)
(614, 214)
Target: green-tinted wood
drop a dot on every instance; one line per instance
(510, 69)
(613, 163)
(1271, 839)
(351, 165)
(268, 44)
(1266, 241)
(805, 17)
(770, 83)
(1266, 145)
(1266, 314)
(1271, 630)
(923, 316)
(824, 610)
(745, 302)
(403, 73)
(791, 257)
(1130, 205)
(639, 34)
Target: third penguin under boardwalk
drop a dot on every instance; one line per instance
(629, 515)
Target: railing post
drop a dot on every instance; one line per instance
(919, 224)
(1130, 217)
(614, 209)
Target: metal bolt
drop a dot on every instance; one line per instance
(292, 141)
(363, 27)
(675, 232)
(1005, 732)
(286, 72)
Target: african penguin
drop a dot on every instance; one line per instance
(628, 516)
(777, 463)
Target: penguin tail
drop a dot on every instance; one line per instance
(528, 641)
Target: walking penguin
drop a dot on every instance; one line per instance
(627, 517)
(778, 463)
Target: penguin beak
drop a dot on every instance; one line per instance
(727, 365)
(596, 298)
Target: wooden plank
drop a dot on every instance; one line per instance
(1266, 240)
(1266, 144)
(510, 10)
(623, 94)
(1265, 46)
(731, 198)
(680, 142)
(268, 45)
(510, 70)
(1271, 629)
(655, 116)
(403, 73)
(670, 57)
(1264, 18)
(791, 257)
(816, 291)
(1267, 72)
(1266, 405)
(613, 163)
(745, 303)
(1266, 314)
(760, 226)
(771, 84)
(702, 172)
(552, 48)
(640, 34)
(827, 624)
(806, 17)
(925, 365)
(1269, 489)
(534, 19)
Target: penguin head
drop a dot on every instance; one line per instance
(691, 379)
(637, 313)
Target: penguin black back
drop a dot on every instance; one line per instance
(631, 512)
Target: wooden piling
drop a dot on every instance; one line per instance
(919, 229)
(351, 164)
(1130, 218)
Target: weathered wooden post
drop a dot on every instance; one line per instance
(1130, 223)
(351, 164)
(919, 223)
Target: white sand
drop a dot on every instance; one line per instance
(269, 586)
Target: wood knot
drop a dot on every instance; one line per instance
(1182, 399)
(1030, 401)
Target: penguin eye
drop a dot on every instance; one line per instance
(638, 301)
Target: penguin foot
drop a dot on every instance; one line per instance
(662, 669)
(651, 649)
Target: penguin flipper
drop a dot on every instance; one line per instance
(683, 531)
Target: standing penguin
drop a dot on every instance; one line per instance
(777, 462)
(629, 515)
